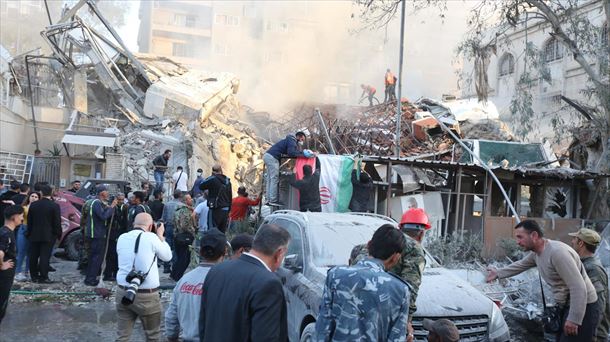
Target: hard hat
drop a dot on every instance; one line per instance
(415, 218)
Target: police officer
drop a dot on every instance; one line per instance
(585, 243)
(97, 228)
(413, 224)
(364, 301)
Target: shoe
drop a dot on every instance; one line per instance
(90, 283)
(45, 281)
(21, 277)
(51, 269)
(109, 278)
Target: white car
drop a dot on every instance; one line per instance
(323, 240)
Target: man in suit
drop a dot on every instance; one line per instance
(44, 228)
(242, 300)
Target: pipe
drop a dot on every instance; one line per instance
(27, 71)
(483, 165)
(46, 5)
(399, 100)
(330, 142)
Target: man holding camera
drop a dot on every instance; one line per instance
(138, 277)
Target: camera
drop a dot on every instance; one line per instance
(135, 279)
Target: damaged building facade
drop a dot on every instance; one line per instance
(100, 111)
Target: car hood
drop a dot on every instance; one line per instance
(442, 294)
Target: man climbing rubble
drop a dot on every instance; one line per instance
(414, 224)
(160, 164)
(561, 268)
(369, 92)
(585, 243)
(292, 146)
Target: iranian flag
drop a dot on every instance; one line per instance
(335, 182)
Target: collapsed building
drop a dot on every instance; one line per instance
(115, 110)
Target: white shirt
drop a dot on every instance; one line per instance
(202, 212)
(150, 245)
(257, 258)
(181, 182)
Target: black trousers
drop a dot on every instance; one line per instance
(220, 218)
(112, 260)
(6, 282)
(96, 259)
(586, 331)
(183, 258)
(40, 254)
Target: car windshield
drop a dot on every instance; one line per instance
(332, 243)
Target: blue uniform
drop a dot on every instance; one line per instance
(363, 303)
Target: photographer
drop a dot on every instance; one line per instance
(138, 277)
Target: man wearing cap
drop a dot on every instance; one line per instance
(413, 224)
(183, 311)
(364, 301)
(241, 244)
(441, 330)
(195, 191)
(96, 230)
(585, 243)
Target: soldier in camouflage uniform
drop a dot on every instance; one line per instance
(413, 224)
(585, 243)
(85, 251)
(364, 302)
(184, 235)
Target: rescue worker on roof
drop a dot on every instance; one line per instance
(369, 92)
(413, 224)
(390, 86)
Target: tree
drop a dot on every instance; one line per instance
(490, 22)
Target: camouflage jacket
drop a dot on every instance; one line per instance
(363, 303)
(410, 267)
(183, 221)
(599, 279)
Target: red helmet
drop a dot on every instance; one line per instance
(415, 217)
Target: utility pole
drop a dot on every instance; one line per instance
(398, 100)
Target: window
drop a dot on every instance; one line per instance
(185, 20)
(181, 50)
(552, 50)
(222, 49)
(507, 65)
(228, 20)
(295, 246)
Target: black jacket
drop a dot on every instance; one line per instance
(242, 301)
(44, 221)
(361, 197)
(220, 194)
(309, 190)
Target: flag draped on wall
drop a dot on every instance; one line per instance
(335, 182)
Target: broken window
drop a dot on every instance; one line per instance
(507, 65)
(552, 50)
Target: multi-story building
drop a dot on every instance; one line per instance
(567, 77)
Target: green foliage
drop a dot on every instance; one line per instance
(511, 248)
(56, 151)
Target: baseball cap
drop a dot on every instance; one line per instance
(100, 188)
(241, 240)
(200, 170)
(214, 238)
(443, 328)
(589, 236)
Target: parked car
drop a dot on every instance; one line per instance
(71, 204)
(323, 240)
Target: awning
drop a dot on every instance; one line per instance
(97, 139)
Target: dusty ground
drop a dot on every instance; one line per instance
(48, 318)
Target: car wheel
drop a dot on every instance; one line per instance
(308, 333)
(73, 245)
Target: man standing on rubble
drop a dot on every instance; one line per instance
(219, 197)
(561, 268)
(179, 179)
(195, 191)
(292, 146)
(390, 86)
(368, 91)
(160, 164)
(414, 224)
(585, 243)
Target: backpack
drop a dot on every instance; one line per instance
(224, 197)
